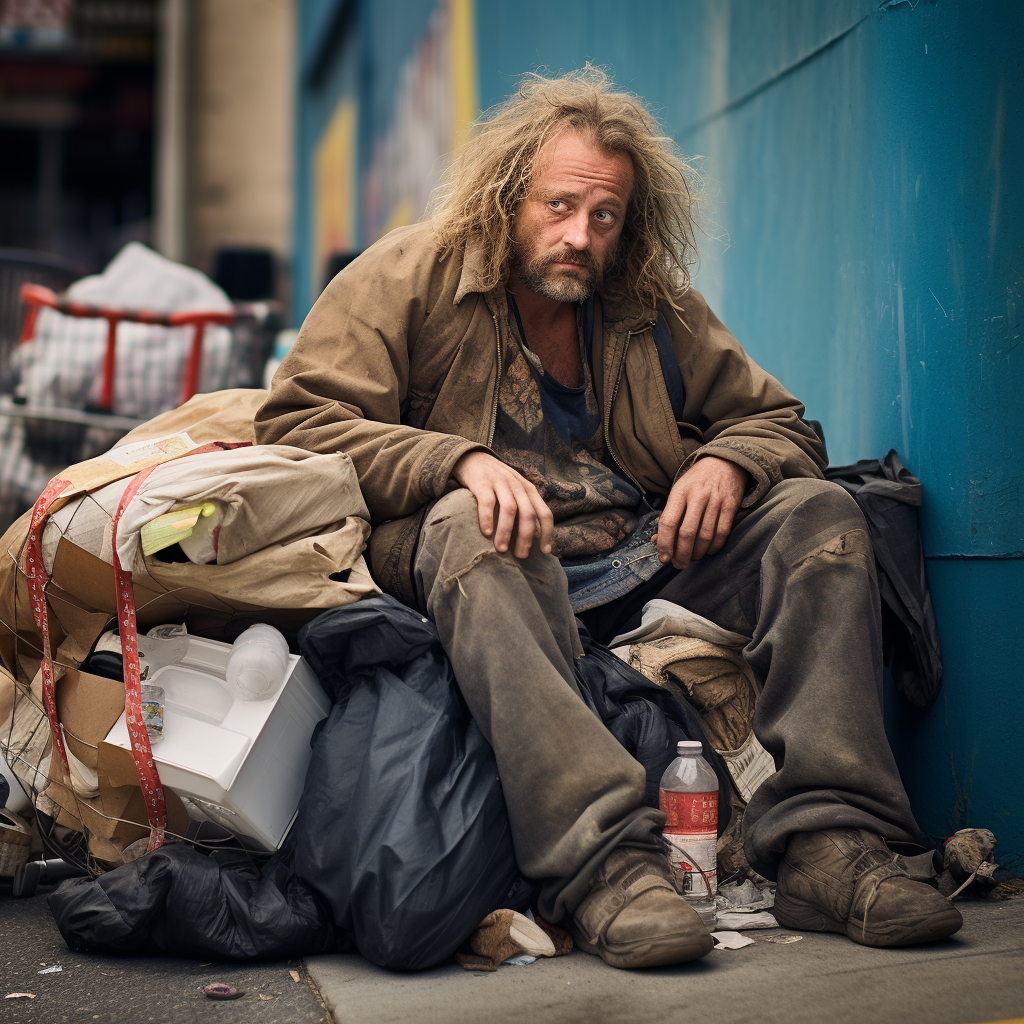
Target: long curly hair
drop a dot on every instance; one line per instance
(492, 173)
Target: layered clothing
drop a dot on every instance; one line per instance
(399, 364)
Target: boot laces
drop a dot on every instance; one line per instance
(881, 865)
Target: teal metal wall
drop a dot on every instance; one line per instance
(864, 242)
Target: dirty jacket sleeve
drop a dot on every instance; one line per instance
(744, 414)
(343, 384)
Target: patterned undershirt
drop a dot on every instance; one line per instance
(552, 435)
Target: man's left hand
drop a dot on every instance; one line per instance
(700, 510)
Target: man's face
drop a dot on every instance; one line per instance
(567, 228)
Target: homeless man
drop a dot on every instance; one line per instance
(493, 374)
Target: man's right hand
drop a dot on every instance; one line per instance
(519, 506)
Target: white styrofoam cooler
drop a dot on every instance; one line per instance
(243, 762)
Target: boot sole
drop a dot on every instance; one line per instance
(795, 913)
(660, 952)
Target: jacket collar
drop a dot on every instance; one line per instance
(472, 270)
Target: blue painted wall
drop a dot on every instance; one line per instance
(864, 241)
(346, 48)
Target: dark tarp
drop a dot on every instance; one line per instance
(401, 844)
(889, 496)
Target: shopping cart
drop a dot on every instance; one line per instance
(35, 297)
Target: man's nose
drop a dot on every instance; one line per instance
(577, 231)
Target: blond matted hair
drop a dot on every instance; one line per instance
(492, 173)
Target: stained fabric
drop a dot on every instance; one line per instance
(889, 496)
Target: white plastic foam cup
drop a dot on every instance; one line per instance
(257, 663)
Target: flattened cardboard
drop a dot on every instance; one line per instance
(115, 765)
(88, 706)
(89, 581)
(109, 850)
(100, 814)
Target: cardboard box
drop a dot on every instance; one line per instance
(88, 706)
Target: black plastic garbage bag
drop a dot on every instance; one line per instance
(176, 901)
(402, 829)
(889, 496)
(646, 719)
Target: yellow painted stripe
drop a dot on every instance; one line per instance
(465, 88)
(334, 188)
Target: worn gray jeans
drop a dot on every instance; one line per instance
(797, 575)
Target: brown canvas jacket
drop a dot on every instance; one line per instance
(398, 365)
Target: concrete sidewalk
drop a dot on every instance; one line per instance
(95, 989)
(978, 975)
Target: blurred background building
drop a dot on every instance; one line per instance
(163, 121)
(76, 125)
(864, 228)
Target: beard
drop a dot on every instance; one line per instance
(538, 272)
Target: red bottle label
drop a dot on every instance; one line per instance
(694, 813)
(691, 830)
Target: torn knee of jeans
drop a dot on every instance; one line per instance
(455, 578)
(853, 545)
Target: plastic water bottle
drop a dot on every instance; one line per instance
(257, 663)
(689, 798)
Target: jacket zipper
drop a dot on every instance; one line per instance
(608, 418)
(497, 382)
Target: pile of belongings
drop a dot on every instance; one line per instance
(400, 846)
(292, 527)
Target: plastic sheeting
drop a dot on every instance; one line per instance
(402, 829)
(177, 901)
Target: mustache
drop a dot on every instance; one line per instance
(581, 257)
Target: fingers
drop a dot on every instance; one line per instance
(687, 534)
(535, 522)
(507, 504)
(485, 502)
(707, 531)
(668, 523)
(725, 520)
(545, 519)
(700, 511)
(508, 508)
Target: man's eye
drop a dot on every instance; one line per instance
(603, 216)
(556, 204)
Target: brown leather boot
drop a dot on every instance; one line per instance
(846, 880)
(633, 916)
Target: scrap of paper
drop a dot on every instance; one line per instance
(731, 940)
